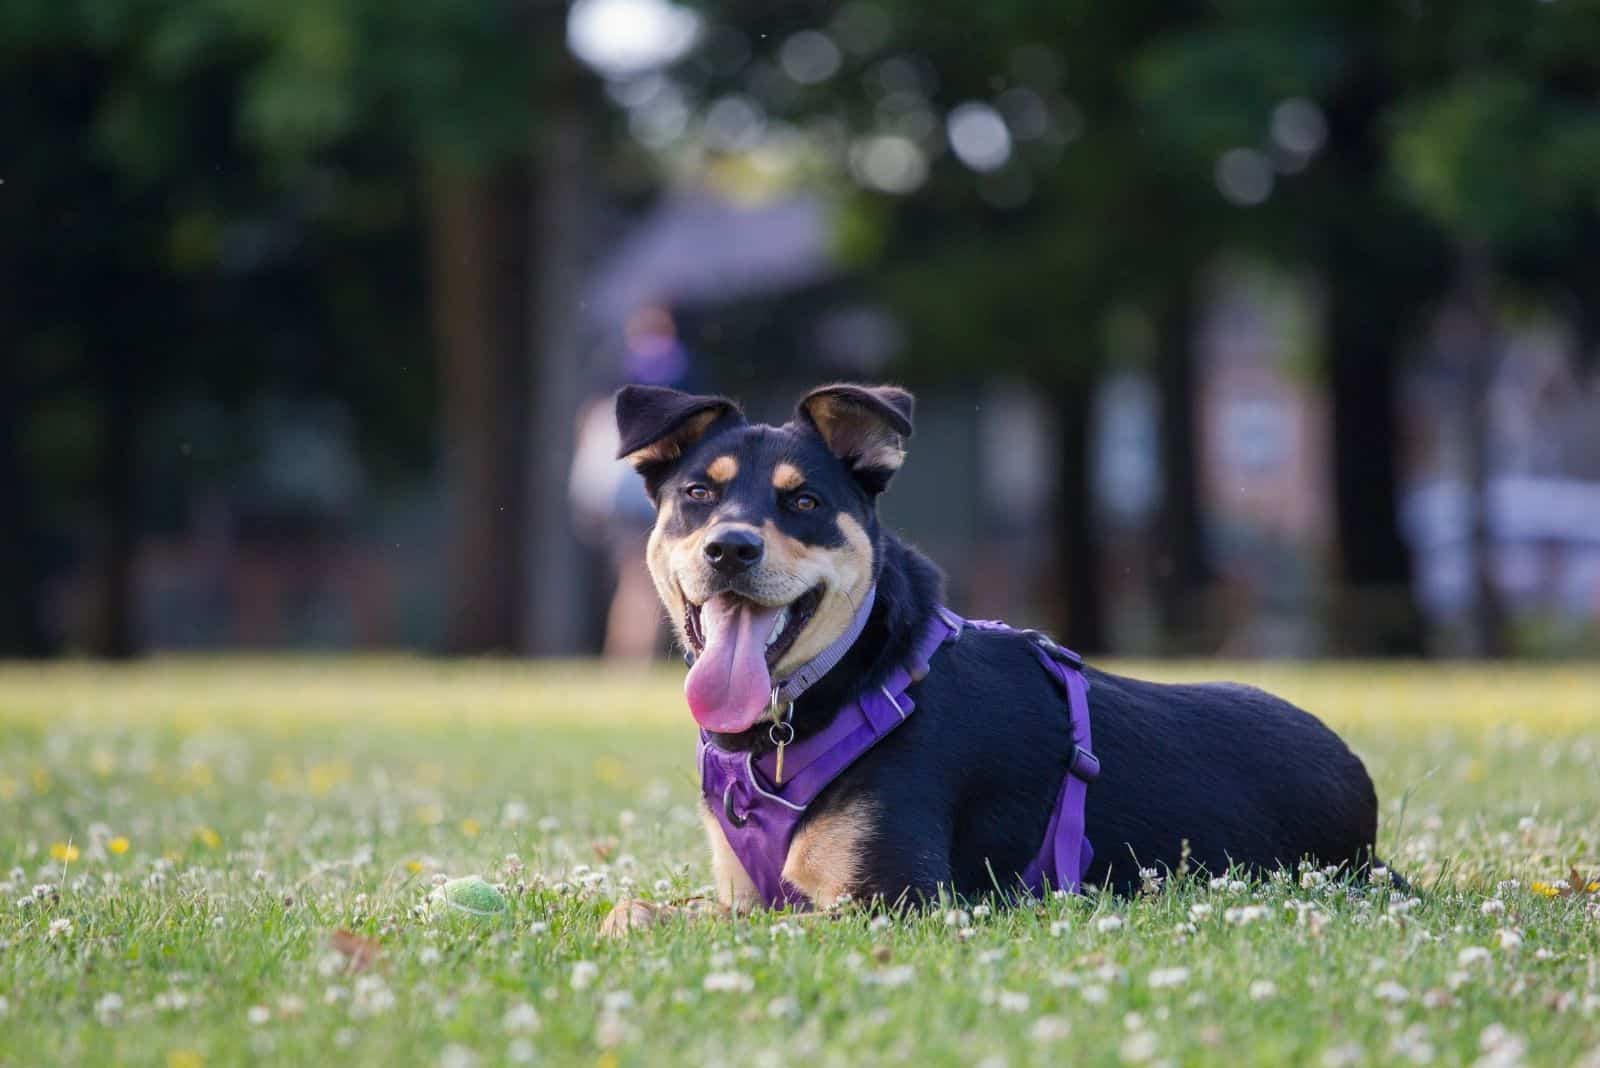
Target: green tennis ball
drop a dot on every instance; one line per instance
(471, 895)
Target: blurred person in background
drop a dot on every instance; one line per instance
(613, 511)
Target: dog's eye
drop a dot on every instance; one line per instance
(805, 502)
(697, 492)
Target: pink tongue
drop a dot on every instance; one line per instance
(729, 686)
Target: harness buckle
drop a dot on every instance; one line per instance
(1055, 651)
(1084, 764)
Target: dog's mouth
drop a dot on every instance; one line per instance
(786, 627)
(737, 642)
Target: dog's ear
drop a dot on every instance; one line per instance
(657, 425)
(865, 426)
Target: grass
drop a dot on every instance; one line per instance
(198, 832)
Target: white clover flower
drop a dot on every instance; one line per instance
(782, 1008)
(1500, 1047)
(1049, 1029)
(457, 1056)
(899, 975)
(980, 911)
(1510, 940)
(663, 886)
(584, 973)
(1200, 911)
(520, 1051)
(616, 1001)
(258, 1015)
(1012, 1001)
(1493, 907)
(1240, 915)
(520, 1019)
(1108, 924)
(880, 923)
(1138, 1047)
(728, 982)
(1392, 992)
(1218, 884)
(1160, 978)
(957, 918)
(1095, 994)
(108, 1009)
(1345, 1056)
(1263, 990)
(60, 928)
(372, 997)
(1472, 955)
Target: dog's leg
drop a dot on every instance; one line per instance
(827, 858)
(735, 892)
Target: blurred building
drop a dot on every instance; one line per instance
(1542, 497)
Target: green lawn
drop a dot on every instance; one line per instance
(180, 841)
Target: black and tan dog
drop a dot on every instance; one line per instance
(767, 539)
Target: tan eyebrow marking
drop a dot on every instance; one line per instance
(787, 477)
(723, 469)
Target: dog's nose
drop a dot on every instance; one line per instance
(732, 550)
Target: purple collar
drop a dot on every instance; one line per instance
(760, 817)
(790, 689)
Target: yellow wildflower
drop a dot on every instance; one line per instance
(185, 1058)
(414, 866)
(63, 851)
(470, 827)
(118, 845)
(207, 837)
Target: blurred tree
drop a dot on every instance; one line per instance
(1005, 197)
(209, 176)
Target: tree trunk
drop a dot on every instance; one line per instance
(1078, 565)
(482, 363)
(559, 184)
(112, 631)
(22, 630)
(1377, 611)
(1182, 572)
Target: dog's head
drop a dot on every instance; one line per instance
(766, 537)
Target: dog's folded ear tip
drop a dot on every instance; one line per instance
(894, 405)
(655, 423)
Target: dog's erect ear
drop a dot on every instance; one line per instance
(865, 426)
(656, 425)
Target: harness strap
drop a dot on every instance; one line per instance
(759, 817)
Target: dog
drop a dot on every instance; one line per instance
(768, 556)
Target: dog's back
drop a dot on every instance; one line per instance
(1241, 776)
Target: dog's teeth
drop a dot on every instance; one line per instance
(778, 625)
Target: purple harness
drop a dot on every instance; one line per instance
(760, 817)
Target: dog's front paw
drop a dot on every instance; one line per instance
(633, 915)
